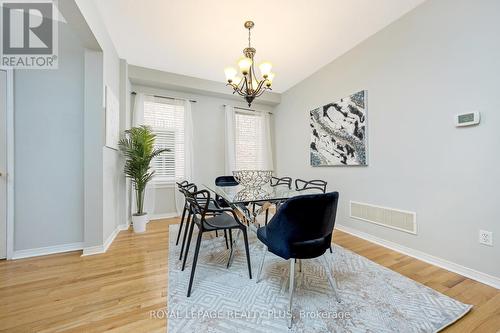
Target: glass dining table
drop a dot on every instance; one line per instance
(249, 203)
(241, 198)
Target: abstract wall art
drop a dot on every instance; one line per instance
(112, 119)
(339, 132)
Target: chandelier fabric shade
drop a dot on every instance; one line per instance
(249, 85)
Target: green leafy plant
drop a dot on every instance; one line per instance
(138, 147)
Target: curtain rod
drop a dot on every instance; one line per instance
(167, 97)
(240, 108)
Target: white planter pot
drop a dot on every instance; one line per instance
(139, 222)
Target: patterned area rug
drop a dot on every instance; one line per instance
(374, 298)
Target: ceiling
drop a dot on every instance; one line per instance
(200, 38)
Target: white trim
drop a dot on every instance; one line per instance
(43, 251)
(10, 163)
(91, 250)
(98, 249)
(430, 259)
(163, 216)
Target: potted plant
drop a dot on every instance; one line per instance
(138, 147)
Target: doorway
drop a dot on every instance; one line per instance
(3, 164)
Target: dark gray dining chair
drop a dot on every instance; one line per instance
(187, 190)
(209, 219)
(315, 184)
(277, 181)
(183, 186)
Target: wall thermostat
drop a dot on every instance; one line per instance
(467, 119)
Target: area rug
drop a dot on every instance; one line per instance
(373, 298)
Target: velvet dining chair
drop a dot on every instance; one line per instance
(301, 229)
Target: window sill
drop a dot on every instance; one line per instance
(163, 185)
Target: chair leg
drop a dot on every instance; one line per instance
(267, 216)
(331, 249)
(180, 228)
(245, 238)
(261, 265)
(230, 248)
(186, 228)
(225, 238)
(234, 247)
(216, 233)
(190, 236)
(290, 290)
(331, 280)
(300, 265)
(195, 259)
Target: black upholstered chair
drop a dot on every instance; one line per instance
(301, 229)
(310, 184)
(226, 181)
(317, 184)
(220, 219)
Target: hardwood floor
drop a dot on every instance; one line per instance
(117, 291)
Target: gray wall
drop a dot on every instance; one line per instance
(93, 137)
(439, 60)
(208, 142)
(49, 149)
(113, 185)
(69, 188)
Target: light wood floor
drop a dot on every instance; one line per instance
(116, 291)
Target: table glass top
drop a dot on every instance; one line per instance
(239, 194)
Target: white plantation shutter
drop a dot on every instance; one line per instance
(164, 165)
(249, 148)
(166, 118)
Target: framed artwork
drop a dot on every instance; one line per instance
(112, 119)
(339, 132)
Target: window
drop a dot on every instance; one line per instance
(166, 118)
(249, 148)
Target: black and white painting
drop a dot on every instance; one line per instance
(338, 132)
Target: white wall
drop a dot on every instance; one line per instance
(208, 142)
(439, 60)
(49, 150)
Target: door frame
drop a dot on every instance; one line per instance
(10, 161)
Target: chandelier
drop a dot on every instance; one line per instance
(249, 86)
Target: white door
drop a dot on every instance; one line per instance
(3, 164)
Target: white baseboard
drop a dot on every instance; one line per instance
(98, 249)
(448, 265)
(162, 216)
(43, 251)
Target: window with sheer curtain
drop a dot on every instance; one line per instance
(166, 118)
(249, 148)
